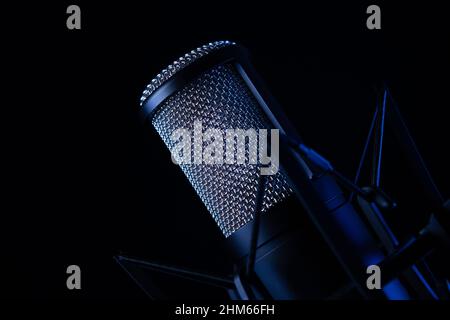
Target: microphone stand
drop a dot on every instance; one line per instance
(435, 236)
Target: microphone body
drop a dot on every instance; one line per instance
(311, 242)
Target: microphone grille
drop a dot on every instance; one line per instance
(180, 64)
(219, 98)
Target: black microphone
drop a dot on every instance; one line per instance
(311, 244)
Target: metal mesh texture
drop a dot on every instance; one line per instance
(180, 64)
(219, 98)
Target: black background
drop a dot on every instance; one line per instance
(85, 181)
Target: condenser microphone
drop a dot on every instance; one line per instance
(311, 244)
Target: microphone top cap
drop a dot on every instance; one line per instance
(180, 64)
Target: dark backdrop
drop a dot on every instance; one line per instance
(85, 181)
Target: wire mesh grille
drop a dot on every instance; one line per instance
(220, 99)
(180, 64)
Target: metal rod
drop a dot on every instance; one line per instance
(364, 153)
(210, 279)
(256, 223)
(414, 250)
(380, 141)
